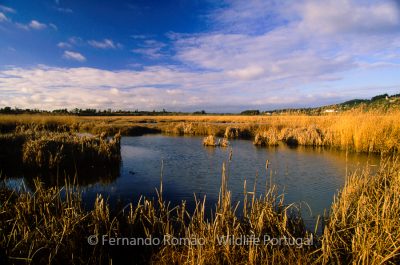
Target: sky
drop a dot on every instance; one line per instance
(191, 55)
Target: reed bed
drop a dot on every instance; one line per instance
(358, 131)
(10, 123)
(50, 225)
(266, 138)
(364, 221)
(211, 141)
(50, 151)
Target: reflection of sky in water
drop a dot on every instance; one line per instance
(310, 175)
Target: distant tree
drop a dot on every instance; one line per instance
(60, 111)
(379, 97)
(202, 112)
(250, 112)
(7, 110)
(355, 102)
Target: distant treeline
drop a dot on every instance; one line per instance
(109, 112)
(95, 112)
(376, 101)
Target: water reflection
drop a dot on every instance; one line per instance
(303, 174)
(82, 176)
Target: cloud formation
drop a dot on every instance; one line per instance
(64, 45)
(344, 16)
(104, 44)
(3, 17)
(7, 9)
(35, 25)
(149, 48)
(75, 56)
(258, 54)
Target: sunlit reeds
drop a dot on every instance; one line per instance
(38, 149)
(358, 131)
(364, 221)
(51, 226)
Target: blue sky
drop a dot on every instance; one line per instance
(221, 56)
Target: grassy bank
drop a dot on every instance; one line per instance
(364, 222)
(50, 225)
(356, 131)
(49, 151)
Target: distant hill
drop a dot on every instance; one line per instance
(382, 102)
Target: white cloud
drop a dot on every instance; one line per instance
(71, 42)
(34, 24)
(75, 40)
(349, 16)
(3, 17)
(150, 48)
(160, 87)
(75, 56)
(105, 44)
(7, 9)
(250, 16)
(152, 53)
(64, 45)
(114, 91)
(247, 73)
(300, 54)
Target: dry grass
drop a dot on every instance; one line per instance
(364, 222)
(354, 131)
(51, 226)
(267, 138)
(49, 150)
(9, 123)
(212, 141)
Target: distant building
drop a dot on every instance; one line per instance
(330, 111)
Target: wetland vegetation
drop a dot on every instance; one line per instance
(51, 223)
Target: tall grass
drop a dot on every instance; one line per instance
(364, 222)
(51, 226)
(356, 131)
(49, 151)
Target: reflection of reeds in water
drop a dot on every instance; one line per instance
(46, 227)
(49, 228)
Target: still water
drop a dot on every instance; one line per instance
(305, 175)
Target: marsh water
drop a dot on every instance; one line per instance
(305, 175)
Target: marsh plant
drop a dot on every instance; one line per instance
(36, 149)
(379, 132)
(212, 141)
(49, 226)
